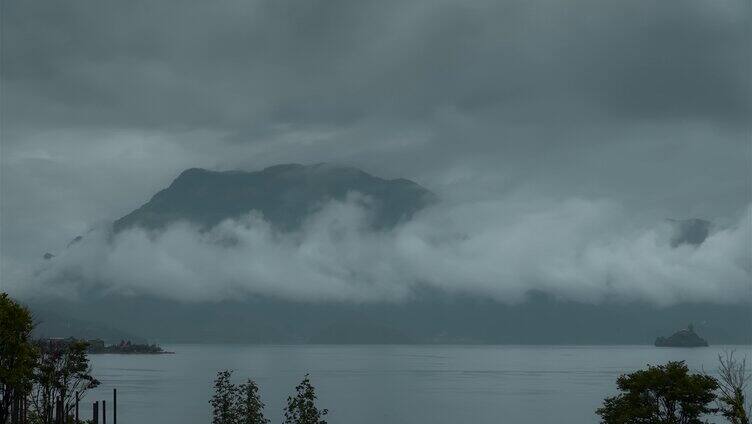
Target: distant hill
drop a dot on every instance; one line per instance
(53, 325)
(284, 194)
(430, 317)
(692, 231)
(358, 331)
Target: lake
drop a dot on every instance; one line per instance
(386, 384)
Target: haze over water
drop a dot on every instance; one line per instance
(388, 383)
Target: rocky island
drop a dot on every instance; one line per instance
(682, 338)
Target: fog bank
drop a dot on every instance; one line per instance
(578, 249)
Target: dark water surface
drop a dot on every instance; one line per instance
(387, 384)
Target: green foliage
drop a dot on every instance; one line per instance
(233, 404)
(302, 409)
(661, 394)
(250, 407)
(17, 353)
(224, 400)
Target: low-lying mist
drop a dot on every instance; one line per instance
(578, 249)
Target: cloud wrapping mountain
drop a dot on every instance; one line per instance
(578, 249)
(560, 135)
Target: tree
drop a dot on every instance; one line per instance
(302, 409)
(732, 381)
(62, 372)
(233, 404)
(17, 353)
(661, 394)
(224, 400)
(250, 407)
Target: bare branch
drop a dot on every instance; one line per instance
(733, 379)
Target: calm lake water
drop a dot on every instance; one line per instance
(387, 384)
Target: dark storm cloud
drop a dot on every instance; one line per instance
(243, 66)
(641, 103)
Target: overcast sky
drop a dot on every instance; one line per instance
(642, 104)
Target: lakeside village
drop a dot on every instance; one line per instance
(98, 346)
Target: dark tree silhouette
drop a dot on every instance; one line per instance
(62, 371)
(661, 394)
(250, 407)
(302, 409)
(17, 353)
(224, 400)
(233, 404)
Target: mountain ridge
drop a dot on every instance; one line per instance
(285, 194)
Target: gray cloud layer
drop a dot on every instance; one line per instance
(641, 104)
(247, 67)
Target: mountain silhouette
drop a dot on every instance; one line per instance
(284, 194)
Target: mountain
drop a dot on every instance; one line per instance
(284, 194)
(429, 317)
(358, 331)
(692, 231)
(49, 324)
